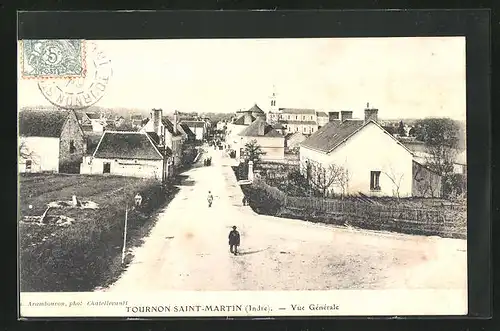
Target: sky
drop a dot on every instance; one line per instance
(402, 77)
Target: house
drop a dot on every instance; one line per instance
(372, 161)
(119, 120)
(50, 141)
(137, 121)
(257, 112)
(97, 121)
(240, 122)
(198, 128)
(322, 118)
(272, 142)
(293, 140)
(187, 134)
(168, 133)
(301, 120)
(127, 153)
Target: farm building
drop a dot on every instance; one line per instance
(50, 141)
(127, 153)
(373, 161)
(271, 141)
(168, 132)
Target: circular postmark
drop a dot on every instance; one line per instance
(80, 92)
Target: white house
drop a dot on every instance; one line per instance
(50, 141)
(374, 162)
(168, 132)
(272, 142)
(199, 128)
(125, 153)
(97, 121)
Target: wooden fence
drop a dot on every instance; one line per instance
(358, 209)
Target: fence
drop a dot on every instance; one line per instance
(359, 209)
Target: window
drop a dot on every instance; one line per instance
(303, 118)
(296, 117)
(72, 147)
(106, 168)
(28, 165)
(374, 180)
(311, 118)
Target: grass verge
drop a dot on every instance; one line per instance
(87, 253)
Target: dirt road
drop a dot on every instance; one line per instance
(188, 249)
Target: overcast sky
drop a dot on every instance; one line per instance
(402, 77)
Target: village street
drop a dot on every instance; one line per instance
(188, 248)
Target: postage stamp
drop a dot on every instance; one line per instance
(47, 58)
(80, 92)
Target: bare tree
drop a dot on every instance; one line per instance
(322, 177)
(396, 179)
(343, 180)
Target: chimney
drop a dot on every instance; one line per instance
(371, 114)
(345, 115)
(157, 114)
(333, 115)
(176, 121)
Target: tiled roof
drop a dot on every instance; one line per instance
(241, 120)
(169, 126)
(196, 124)
(258, 127)
(299, 122)
(42, 123)
(297, 111)
(127, 145)
(93, 116)
(186, 129)
(331, 135)
(321, 114)
(256, 109)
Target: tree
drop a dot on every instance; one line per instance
(24, 152)
(125, 126)
(396, 179)
(440, 136)
(322, 177)
(401, 129)
(343, 180)
(253, 151)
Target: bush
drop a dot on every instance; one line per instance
(454, 185)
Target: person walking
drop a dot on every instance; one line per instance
(234, 240)
(210, 199)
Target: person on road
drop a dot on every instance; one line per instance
(210, 199)
(244, 200)
(234, 240)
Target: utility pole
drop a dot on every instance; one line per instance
(125, 233)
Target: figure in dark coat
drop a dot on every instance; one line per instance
(210, 199)
(234, 240)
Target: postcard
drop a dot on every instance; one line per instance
(242, 177)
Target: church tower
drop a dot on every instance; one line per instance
(273, 115)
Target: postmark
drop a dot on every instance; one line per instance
(80, 92)
(48, 58)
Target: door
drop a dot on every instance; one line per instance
(106, 168)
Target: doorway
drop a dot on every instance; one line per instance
(106, 168)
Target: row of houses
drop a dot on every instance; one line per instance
(374, 162)
(55, 141)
